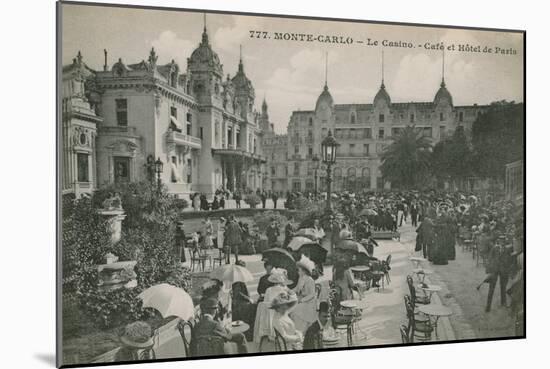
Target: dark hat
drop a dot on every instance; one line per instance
(209, 304)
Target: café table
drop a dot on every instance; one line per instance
(430, 289)
(242, 327)
(417, 261)
(357, 306)
(434, 312)
(421, 273)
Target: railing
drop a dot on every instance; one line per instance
(182, 139)
(118, 129)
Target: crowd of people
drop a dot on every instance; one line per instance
(301, 313)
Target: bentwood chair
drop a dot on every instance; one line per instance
(185, 327)
(404, 334)
(387, 269)
(419, 328)
(280, 343)
(415, 299)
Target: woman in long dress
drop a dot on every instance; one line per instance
(282, 322)
(305, 312)
(343, 279)
(263, 326)
(208, 231)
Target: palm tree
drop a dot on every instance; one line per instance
(406, 161)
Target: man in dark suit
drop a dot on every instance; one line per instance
(499, 267)
(313, 339)
(209, 335)
(264, 283)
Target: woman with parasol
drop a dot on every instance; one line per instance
(305, 312)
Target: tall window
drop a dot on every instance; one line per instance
(174, 111)
(272, 171)
(296, 150)
(351, 149)
(189, 119)
(412, 118)
(201, 133)
(83, 169)
(441, 117)
(442, 132)
(310, 151)
(310, 121)
(381, 118)
(352, 118)
(121, 112)
(189, 171)
(461, 116)
(296, 169)
(230, 136)
(367, 133)
(381, 133)
(366, 149)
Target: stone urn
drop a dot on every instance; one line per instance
(114, 220)
(117, 275)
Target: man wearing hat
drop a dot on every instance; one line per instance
(264, 283)
(313, 339)
(180, 242)
(137, 337)
(499, 266)
(209, 334)
(233, 236)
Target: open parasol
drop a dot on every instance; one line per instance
(280, 258)
(298, 241)
(368, 212)
(314, 251)
(310, 233)
(232, 273)
(351, 245)
(168, 300)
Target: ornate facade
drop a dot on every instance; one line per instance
(363, 131)
(117, 121)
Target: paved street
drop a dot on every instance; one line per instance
(384, 312)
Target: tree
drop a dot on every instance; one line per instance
(406, 161)
(452, 158)
(497, 138)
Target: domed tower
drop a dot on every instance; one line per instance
(324, 106)
(382, 101)
(443, 103)
(382, 98)
(244, 92)
(264, 118)
(206, 72)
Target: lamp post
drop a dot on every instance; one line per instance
(158, 169)
(328, 150)
(316, 164)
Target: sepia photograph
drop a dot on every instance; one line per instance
(237, 184)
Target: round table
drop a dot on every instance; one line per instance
(416, 260)
(430, 289)
(241, 328)
(435, 311)
(421, 273)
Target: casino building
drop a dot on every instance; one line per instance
(202, 124)
(363, 131)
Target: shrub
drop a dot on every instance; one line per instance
(252, 200)
(263, 220)
(148, 236)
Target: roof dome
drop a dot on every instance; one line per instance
(443, 93)
(325, 97)
(383, 95)
(241, 81)
(204, 56)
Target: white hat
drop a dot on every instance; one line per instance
(279, 275)
(306, 263)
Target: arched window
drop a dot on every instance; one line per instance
(365, 172)
(351, 172)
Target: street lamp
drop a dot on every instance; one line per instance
(316, 164)
(328, 151)
(158, 169)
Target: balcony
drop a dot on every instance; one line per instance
(353, 155)
(239, 154)
(116, 130)
(181, 139)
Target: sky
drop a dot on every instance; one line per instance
(291, 74)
